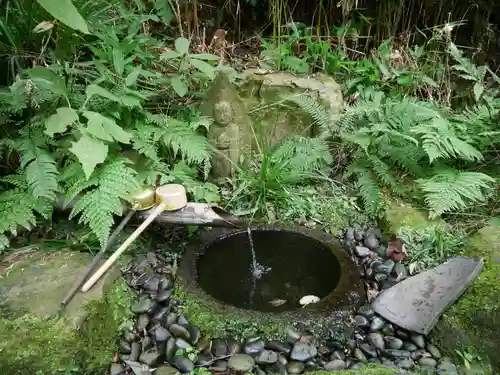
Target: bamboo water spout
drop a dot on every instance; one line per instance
(171, 207)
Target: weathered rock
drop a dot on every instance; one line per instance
(361, 321)
(266, 357)
(359, 355)
(143, 304)
(366, 311)
(335, 365)
(418, 340)
(183, 364)
(179, 331)
(376, 340)
(428, 363)
(433, 351)
(116, 369)
(241, 362)
(303, 352)
(417, 303)
(150, 357)
(371, 241)
(253, 347)
(474, 321)
(166, 370)
(281, 347)
(362, 251)
(294, 367)
(37, 282)
(393, 342)
(219, 347)
(376, 324)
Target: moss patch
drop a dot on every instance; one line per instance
(475, 319)
(216, 323)
(367, 370)
(29, 343)
(399, 215)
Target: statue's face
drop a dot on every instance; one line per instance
(223, 113)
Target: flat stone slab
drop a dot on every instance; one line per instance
(417, 302)
(36, 282)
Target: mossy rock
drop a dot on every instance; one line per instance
(215, 323)
(30, 343)
(400, 214)
(32, 335)
(474, 321)
(367, 370)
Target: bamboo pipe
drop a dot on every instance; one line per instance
(169, 197)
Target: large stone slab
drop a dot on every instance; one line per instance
(417, 302)
(36, 282)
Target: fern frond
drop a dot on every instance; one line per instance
(40, 168)
(453, 190)
(193, 147)
(384, 174)
(115, 182)
(18, 208)
(144, 141)
(439, 140)
(369, 189)
(314, 109)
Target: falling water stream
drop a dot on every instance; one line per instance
(257, 270)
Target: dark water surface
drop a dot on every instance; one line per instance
(298, 266)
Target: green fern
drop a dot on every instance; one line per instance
(114, 182)
(18, 208)
(452, 190)
(40, 167)
(439, 140)
(369, 188)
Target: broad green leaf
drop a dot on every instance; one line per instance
(182, 45)
(59, 122)
(179, 85)
(48, 79)
(169, 55)
(90, 152)
(478, 90)
(66, 12)
(118, 61)
(132, 77)
(43, 27)
(101, 91)
(204, 56)
(95, 125)
(429, 81)
(105, 128)
(203, 67)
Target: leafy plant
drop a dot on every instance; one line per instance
(398, 142)
(295, 161)
(185, 62)
(70, 126)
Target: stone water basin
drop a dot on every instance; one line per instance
(216, 272)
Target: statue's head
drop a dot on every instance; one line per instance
(223, 113)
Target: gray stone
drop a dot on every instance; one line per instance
(446, 368)
(393, 342)
(395, 353)
(150, 357)
(281, 347)
(433, 351)
(241, 362)
(376, 324)
(135, 351)
(335, 365)
(359, 355)
(371, 242)
(411, 347)
(254, 347)
(166, 370)
(399, 271)
(361, 321)
(426, 362)
(366, 311)
(266, 357)
(161, 334)
(219, 347)
(387, 267)
(294, 367)
(362, 251)
(183, 364)
(368, 349)
(405, 364)
(358, 234)
(143, 305)
(418, 340)
(142, 322)
(417, 302)
(116, 369)
(376, 340)
(204, 359)
(337, 354)
(303, 352)
(179, 331)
